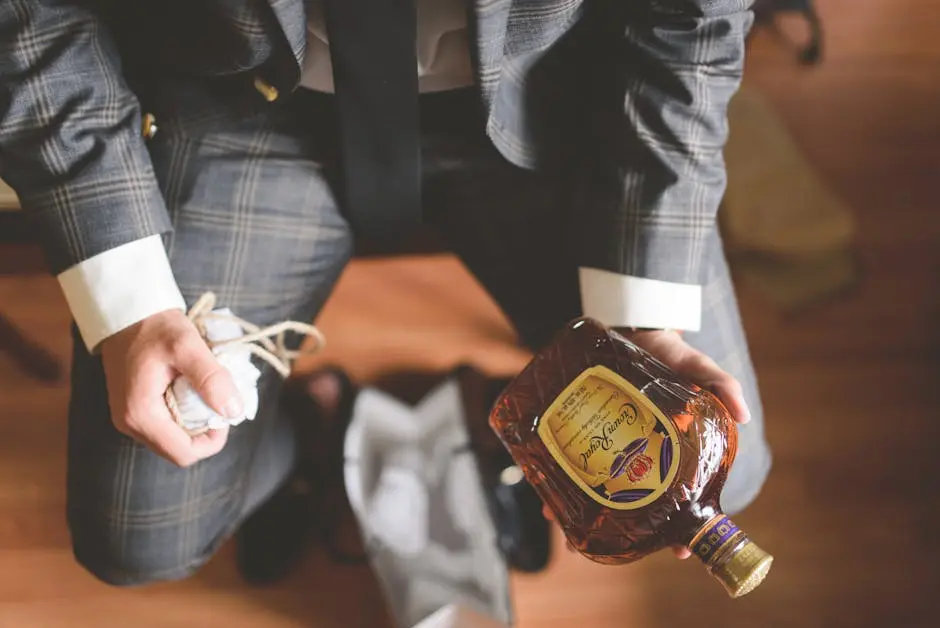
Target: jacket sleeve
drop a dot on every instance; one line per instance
(70, 133)
(678, 64)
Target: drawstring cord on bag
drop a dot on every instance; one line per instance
(257, 340)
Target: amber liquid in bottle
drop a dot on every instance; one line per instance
(629, 457)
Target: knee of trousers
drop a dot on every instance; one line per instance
(750, 469)
(127, 558)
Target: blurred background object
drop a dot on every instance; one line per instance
(850, 509)
(768, 13)
(787, 233)
(28, 352)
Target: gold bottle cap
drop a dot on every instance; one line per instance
(744, 571)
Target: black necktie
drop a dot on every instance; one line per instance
(372, 48)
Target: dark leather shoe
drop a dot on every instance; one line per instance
(524, 534)
(336, 526)
(271, 541)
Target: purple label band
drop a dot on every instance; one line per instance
(713, 538)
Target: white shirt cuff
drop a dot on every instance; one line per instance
(122, 286)
(625, 301)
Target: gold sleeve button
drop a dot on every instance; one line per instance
(148, 126)
(268, 91)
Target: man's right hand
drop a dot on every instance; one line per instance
(141, 362)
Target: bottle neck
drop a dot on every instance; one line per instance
(717, 540)
(730, 556)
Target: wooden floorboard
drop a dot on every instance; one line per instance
(850, 390)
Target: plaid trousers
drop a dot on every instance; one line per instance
(255, 220)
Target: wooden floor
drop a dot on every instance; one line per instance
(851, 392)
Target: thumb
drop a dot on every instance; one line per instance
(211, 380)
(681, 552)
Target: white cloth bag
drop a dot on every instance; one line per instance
(415, 489)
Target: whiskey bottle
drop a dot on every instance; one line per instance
(630, 458)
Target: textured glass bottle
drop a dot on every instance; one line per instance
(630, 458)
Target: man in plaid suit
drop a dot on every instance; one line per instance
(571, 154)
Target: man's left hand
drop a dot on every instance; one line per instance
(672, 350)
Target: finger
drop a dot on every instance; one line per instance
(209, 443)
(146, 417)
(681, 552)
(157, 429)
(547, 513)
(706, 373)
(730, 392)
(160, 433)
(196, 362)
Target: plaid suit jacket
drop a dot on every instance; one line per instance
(627, 98)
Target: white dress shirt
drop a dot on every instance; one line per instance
(122, 286)
(443, 47)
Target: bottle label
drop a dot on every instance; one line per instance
(611, 440)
